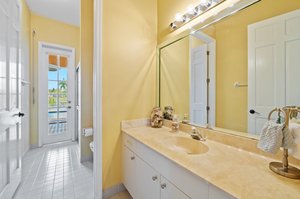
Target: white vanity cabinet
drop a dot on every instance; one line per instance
(143, 182)
(149, 175)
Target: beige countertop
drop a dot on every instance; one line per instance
(240, 173)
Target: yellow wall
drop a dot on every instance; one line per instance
(231, 36)
(50, 31)
(232, 60)
(175, 84)
(86, 45)
(129, 73)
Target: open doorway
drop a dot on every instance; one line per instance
(60, 161)
(56, 93)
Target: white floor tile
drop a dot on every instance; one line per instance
(54, 172)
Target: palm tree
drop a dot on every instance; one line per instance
(63, 85)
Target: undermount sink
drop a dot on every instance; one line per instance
(185, 145)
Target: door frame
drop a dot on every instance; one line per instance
(40, 62)
(77, 103)
(97, 99)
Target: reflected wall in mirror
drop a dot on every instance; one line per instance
(256, 68)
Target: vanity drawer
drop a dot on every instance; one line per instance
(129, 142)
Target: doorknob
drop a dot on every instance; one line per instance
(69, 107)
(20, 114)
(253, 112)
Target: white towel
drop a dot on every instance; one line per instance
(271, 137)
(295, 130)
(288, 139)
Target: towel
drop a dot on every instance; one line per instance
(288, 139)
(271, 137)
(295, 131)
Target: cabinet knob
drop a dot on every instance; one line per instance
(154, 178)
(163, 186)
(132, 158)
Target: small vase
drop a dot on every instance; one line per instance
(156, 118)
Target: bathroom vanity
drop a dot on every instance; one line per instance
(160, 164)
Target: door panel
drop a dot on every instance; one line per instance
(292, 71)
(198, 98)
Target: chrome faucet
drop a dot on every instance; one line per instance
(196, 135)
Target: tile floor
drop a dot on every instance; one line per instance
(122, 195)
(54, 172)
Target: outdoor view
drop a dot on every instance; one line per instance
(57, 100)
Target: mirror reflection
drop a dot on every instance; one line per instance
(231, 74)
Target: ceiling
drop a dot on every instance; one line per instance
(67, 11)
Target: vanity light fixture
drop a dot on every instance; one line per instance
(193, 12)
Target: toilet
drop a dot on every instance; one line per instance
(92, 146)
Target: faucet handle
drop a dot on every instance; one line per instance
(194, 130)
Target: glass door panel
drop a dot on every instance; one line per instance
(57, 96)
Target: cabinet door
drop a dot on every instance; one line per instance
(170, 191)
(129, 171)
(148, 186)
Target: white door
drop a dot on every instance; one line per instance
(273, 59)
(170, 191)
(198, 94)
(56, 93)
(10, 99)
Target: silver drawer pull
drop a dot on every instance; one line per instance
(154, 178)
(132, 158)
(163, 186)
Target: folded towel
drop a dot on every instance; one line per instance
(288, 139)
(271, 137)
(295, 131)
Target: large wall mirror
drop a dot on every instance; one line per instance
(232, 73)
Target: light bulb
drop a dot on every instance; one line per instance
(204, 2)
(173, 26)
(191, 10)
(179, 17)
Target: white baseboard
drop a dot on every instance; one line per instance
(86, 158)
(34, 146)
(113, 190)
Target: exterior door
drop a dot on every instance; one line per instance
(56, 94)
(10, 99)
(274, 45)
(198, 94)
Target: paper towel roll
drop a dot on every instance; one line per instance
(87, 132)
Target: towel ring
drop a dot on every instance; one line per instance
(279, 110)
